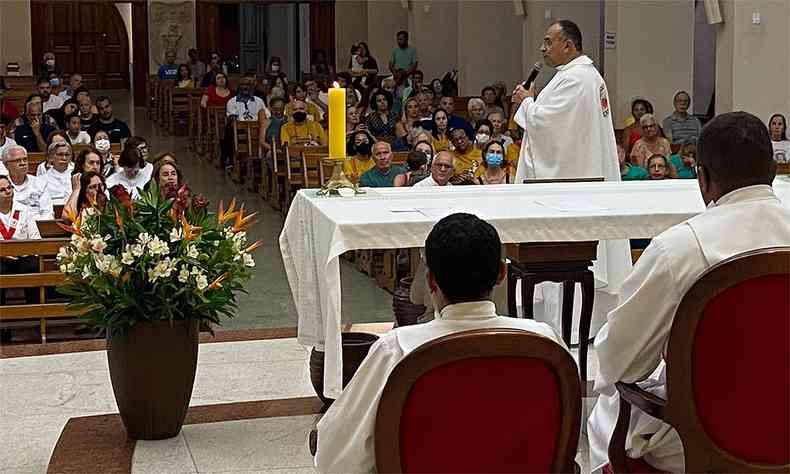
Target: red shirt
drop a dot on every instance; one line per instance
(215, 100)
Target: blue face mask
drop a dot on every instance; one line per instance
(54, 81)
(494, 159)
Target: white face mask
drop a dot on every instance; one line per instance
(50, 62)
(275, 67)
(482, 138)
(103, 145)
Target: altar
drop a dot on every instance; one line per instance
(319, 229)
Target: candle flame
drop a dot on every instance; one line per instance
(336, 85)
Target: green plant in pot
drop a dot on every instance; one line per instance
(149, 272)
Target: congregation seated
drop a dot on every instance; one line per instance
(92, 193)
(141, 145)
(88, 116)
(499, 130)
(59, 115)
(168, 177)
(425, 104)
(5, 140)
(74, 133)
(416, 170)
(383, 174)
(467, 157)
(317, 97)
(134, 172)
(464, 260)
(49, 100)
(633, 128)
(213, 68)
(101, 142)
(684, 161)
(57, 179)
(447, 104)
(735, 173)
(629, 171)
(300, 94)
(781, 146)
(489, 96)
(218, 93)
(116, 129)
(197, 69)
(382, 119)
(271, 128)
(17, 223)
(680, 125)
(34, 130)
(483, 133)
(275, 70)
(302, 129)
(440, 130)
(411, 115)
(183, 78)
(75, 82)
(658, 167)
(169, 70)
(320, 67)
(425, 147)
(650, 143)
(416, 86)
(476, 110)
(87, 161)
(55, 137)
(494, 168)
(29, 191)
(353, 122)
(359, 148)
(442, 169)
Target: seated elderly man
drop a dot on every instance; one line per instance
(58, 176)
(464, 258)
(16, 223)
(467, 156)
(442, 168)
(301, 128)
(735, 170)
(30, 191)
(383, 174)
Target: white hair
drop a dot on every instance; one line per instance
(7, 152)
(53, 147)
(475, 101)
(646, 118)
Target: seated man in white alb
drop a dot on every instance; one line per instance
(464, 257)
(442, 169)
(58, 176)
(735, 169)
(29, 190)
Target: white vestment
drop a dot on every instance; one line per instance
(630, 345)
(568, 133)
(345, 433)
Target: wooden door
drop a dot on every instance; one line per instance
(252, 21)
(87, 37)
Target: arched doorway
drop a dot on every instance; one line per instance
(86, 37)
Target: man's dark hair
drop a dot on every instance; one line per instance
(464, 255)
(275, 100)
(416, 160)
(404, 33)
(735, 151)
(80, 90)
(571, 31)
(103, 98)
(42, 80)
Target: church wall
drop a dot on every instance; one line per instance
(434, 31)
(385, 18)
(351, 26)
(171, 22)
(16, 44)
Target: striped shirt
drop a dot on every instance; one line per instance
(678, 130)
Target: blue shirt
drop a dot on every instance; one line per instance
(24, 137)
(683, 170)
(168, 72)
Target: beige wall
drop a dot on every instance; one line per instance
(385, 18)
(351, 26)
(653, 59)
(753, 61)
(489, 44)
(434, 32)
(16, 44)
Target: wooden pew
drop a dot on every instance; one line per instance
(783, 168)
(245, 151)
(47, 276)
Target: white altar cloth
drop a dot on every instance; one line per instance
(319, 229)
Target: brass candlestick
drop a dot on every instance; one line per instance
(338, 181)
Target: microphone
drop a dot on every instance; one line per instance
(532, 75)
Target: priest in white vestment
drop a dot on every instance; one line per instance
(464, 258)
(568, 133)
(735, 172)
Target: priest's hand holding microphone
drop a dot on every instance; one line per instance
(527, 88)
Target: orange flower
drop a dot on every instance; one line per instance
(222, 215)
(75, 220)
(243, 223)
(254, 246)
(119, 219)
(188, 230)
(218, 282)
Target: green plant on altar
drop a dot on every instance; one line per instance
(156, 258)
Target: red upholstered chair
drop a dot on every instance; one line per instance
(494, 400)
(728, 371)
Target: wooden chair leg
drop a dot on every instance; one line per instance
(588, 294)
(512, 278)
(568, 289)
(43, 326)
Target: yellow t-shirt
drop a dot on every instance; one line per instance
(511, 156)
(307, 130)
(464, 162)
(354, 168)
(312, 112)
(441, 144)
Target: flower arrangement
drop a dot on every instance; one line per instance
(156, 258)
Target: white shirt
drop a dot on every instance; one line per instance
(247, 112)
(139, 181)
(781, 151)
(54, 102)
(33, 194)
(630, 345)
(429, 181)
(26, 227)
(346, 432)
(9, 142)
(42, 168)
(59, 184)
(82, 138)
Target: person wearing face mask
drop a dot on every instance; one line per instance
(359, 149)
(104, 148)
(134, 174)
(494, 169)
(300, 93)
(50, 100)
(482, 133)
(48, 66)
(275, 70)
(301, 129)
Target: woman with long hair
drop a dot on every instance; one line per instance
(382, 119)
(440, 131)
(92, 191)
(218, 93)
(777, 127)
